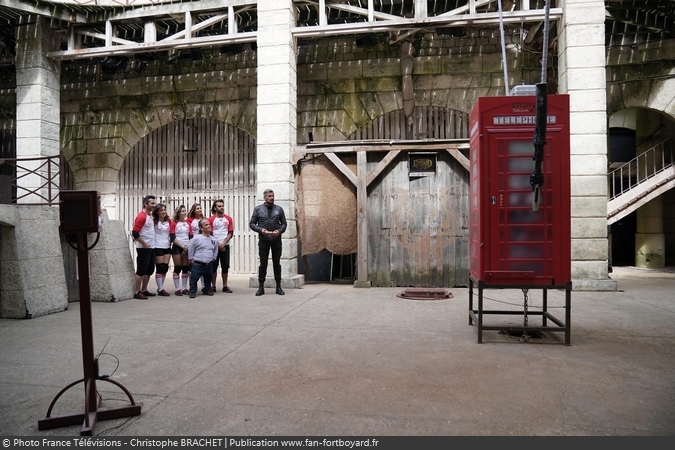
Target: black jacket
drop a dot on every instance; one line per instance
(268, 218)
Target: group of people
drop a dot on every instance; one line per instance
(198, 245)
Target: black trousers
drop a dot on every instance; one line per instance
(264, 247)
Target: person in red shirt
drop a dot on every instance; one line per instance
(222, 228)
(144, 237)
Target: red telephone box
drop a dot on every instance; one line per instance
(509, 242)
(513, 244)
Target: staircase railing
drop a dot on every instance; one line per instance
(641, 168)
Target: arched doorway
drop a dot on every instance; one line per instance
(641, 181)
(195, 161)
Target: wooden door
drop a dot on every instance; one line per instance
(418, 225)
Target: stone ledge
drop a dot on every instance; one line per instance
(294, 282)
(594, 285)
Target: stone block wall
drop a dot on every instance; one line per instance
(342, 87)
(112, 268)
(32, 277)
(102, 120)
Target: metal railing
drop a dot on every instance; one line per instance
(641, 168)
(31, 181)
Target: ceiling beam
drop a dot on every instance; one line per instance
(52, 11)
(431, 22)
(178, 44)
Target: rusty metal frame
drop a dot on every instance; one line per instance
(476, 315)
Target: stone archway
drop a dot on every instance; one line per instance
(194, 161)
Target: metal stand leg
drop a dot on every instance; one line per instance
(470, 300)
(480, 312)
(92, 410)
(549, 323)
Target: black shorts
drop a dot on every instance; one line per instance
(223, 258)
(176, 250)
(145, 264)
(162, 251)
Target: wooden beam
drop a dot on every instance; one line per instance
(361, 221)
(53, 11)
(342, 167)
(164, 44)
(381, 166)
(463, 160)
(442, 20)
(175, 8)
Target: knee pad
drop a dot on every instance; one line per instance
(177, 269)
(162, 268)
(186, 269)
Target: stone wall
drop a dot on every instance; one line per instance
(102, 120)
(32, 277)
(112, 268)
(342, 87)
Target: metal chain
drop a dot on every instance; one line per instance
(525, 307)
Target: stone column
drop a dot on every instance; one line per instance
(650, 241)
(277, 123)
(582, 76)
(37, 103)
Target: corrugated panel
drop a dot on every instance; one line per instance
(195, 161)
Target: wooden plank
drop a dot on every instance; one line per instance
(379, 146)
(362, 219)
(342, 167)
(381, 166)
(463, 160)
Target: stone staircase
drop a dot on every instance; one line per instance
(640, 180)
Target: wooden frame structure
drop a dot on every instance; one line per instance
(363, 178)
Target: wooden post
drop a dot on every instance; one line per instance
(361, 220)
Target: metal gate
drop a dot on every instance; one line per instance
(195, 161)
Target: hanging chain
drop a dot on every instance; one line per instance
(525, 306)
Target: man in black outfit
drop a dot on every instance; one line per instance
(269, 221)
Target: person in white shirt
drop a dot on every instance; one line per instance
(222, 228)
(162, 247)
(180, 234)
(143, 233)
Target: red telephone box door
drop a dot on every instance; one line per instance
(524, 250)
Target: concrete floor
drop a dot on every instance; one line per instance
(330, 359)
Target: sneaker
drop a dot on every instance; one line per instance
(148, 294)
(179, 293)
(139, 295)
(205, 291)
(213, 288)
(193, 294)
(227, 289)
(209, 293)
(186, 292)
(163, 293)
